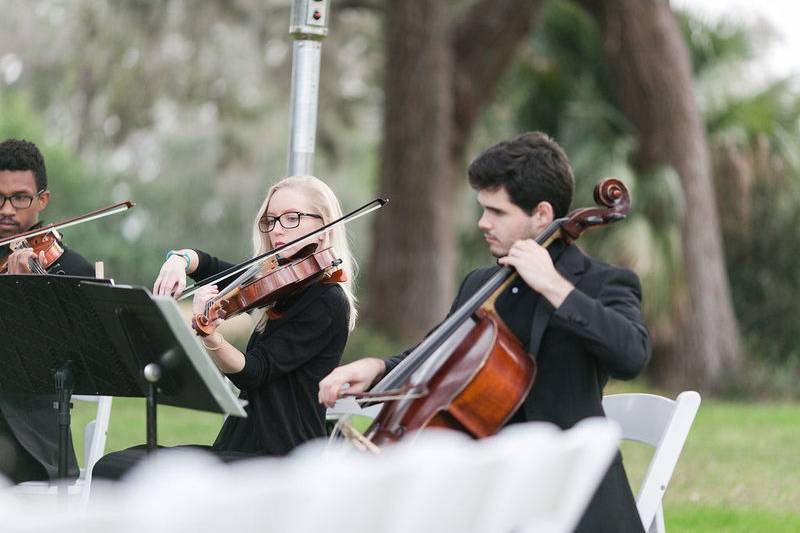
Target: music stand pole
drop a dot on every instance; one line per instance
(152, 373)
(63, 383)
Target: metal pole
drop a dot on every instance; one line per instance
(152, 374)
(308, 28)
(64, 384)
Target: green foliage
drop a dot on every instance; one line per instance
(712, 44)
(560, 85)
(187, 104)
(75, 188)
(757, 166)
(562, 70)
(762, 255)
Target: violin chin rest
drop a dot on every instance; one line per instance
(337, 276)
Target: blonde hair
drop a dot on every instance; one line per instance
(326, 205)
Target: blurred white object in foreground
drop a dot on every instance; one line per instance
(530, 477)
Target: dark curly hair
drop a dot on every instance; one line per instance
(16, 154)
(532, 167)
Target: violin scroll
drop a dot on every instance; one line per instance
(203, 323)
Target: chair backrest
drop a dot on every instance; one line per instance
(548, 487)
(438, 481)
(94, 434)
(94, 443)
(663, 424)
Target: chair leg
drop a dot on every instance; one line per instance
(658, 522)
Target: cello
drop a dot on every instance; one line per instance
(471, 373)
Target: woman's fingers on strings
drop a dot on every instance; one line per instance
(176, 290)
(179, 288)
(157, 285)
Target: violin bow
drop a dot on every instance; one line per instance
(367, 208)
(94, 215)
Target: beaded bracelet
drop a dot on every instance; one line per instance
(185, 255)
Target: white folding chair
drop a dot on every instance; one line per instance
(663, 424)
(94, 445)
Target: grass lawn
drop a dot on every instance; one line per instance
(127, 426)
(739, 471)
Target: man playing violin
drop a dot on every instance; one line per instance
(28, 424)
(23, 195)
(580, 317)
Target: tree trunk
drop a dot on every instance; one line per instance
(410, 274)
(651, 76)
(431, 107)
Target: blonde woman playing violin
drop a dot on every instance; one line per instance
(285, 357)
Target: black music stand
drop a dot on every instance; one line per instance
(99, 339)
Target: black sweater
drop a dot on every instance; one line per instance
(283, 366)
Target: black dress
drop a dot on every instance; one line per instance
(28, 423)
(283, 367)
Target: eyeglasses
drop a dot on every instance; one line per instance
(20, 201)
(287, 220)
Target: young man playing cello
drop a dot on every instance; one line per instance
(592, 326)
(28, 424)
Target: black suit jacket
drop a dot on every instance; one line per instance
(30, 426)
(597, 332)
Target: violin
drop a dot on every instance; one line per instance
(277, 280)
(47, 243)
(471, 373)
(46, 239)
(254, 264)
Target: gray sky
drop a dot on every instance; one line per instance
(783, 58)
